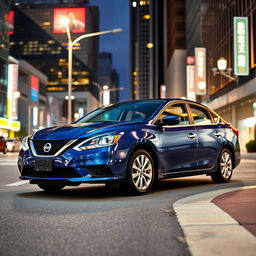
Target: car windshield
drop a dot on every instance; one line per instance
(126, 112)
(10, 140)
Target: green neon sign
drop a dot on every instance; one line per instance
(241, 46)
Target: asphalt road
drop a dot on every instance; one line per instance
(95, 220)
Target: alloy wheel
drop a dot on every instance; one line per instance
(226, 165)
(142, 172)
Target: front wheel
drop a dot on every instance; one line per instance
(140, 172)
(225, 167)
(5, 150)
(51, 188)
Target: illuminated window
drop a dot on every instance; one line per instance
(150, 45)
(146, 17)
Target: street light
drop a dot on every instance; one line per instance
(105, 88)
(222, 64)
(71, 43)
(223, 70)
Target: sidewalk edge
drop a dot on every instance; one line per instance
(211, 231)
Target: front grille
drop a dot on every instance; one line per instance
(57, 172)
(99, 171)
(56, 145)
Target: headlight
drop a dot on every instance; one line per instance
(24, 144)
(97, 142)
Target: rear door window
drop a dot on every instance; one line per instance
(200, 115)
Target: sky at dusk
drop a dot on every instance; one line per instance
(115, 14)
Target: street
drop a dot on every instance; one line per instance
(95, 220)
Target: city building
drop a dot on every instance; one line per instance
(48, 14)
(32, 106)
(35, 45)
(8, 122)
(108, 76)
(147, 48)
(175, 48)
(234, 100)
(115, 83)
(210, 24)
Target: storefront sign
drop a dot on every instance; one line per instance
(241, 47)
(200, 71)
(9, 124)
(34, 88)
(190, 75)
(13, 70)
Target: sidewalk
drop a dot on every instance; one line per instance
(221, 222)
(241, 205)
(245, 155)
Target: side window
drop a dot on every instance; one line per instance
(216, 119)
(200, 115)
(176, 109)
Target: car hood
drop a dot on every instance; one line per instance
(80, 130)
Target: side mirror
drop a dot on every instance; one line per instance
(170, 120)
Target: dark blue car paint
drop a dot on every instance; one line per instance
(176, 154)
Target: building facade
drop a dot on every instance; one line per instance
(234, 100)
(46, 15)
(8, 122)
(147, 48)
(32, 108)
(33, 44)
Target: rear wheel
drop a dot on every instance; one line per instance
(141, 172)
(51, 188)
(5, 150)
(225, 167)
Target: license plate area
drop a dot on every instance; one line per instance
(43, 165)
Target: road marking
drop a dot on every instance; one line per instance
(8, 163)
(18, 183)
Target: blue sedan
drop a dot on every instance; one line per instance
(134, 144)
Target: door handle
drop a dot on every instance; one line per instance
(191, 136)
(218, 134)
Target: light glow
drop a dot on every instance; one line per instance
(222, 64)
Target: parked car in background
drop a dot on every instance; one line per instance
(3, 146)
(13, 145)
(133, 143)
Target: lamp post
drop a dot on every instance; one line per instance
(105, 88)
(223, 70)
(18, 95)
(71, 43)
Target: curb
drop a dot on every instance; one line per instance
(209, 230)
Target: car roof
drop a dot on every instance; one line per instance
(157, 99)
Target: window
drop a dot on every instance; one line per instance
(176, 109)
(200, 115)
(125, 112)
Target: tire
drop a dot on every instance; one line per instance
(225, 167)
(140, 172)
(51, 188)
(5, 150)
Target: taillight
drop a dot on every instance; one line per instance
(236, 131)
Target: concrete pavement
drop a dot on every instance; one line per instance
(216, 223)
(101, 221)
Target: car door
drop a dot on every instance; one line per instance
(178, 142)
(208, 134)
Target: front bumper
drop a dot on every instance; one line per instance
(100, 165)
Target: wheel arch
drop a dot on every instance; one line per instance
(232, 151)
(151, 150)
